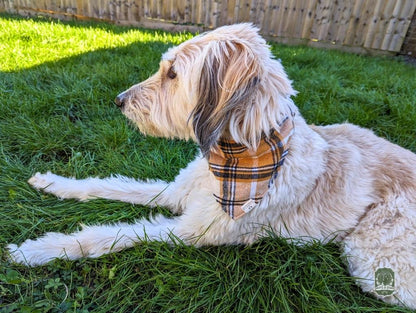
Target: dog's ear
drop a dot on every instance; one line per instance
(229, 78)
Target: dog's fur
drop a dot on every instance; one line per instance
(337, 181)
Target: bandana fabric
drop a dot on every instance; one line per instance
(246, 175)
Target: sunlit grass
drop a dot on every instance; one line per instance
(27, 42)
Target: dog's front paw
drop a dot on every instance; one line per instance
(25, 255)
(44, 249)
(61, 187)
(42, 181)
(14, 254)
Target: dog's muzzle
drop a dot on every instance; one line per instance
(120, 100)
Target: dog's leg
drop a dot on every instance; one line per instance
(92, 241)
(120, 188)
(382, 251)
(113, 188)
(203, 223)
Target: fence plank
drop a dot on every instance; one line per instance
(344, 19)
(229, 13)
(281, 18)
(374, 24)
(403, 23)
(245, 11)
(364, 22)
(289, 19)
(308, 20)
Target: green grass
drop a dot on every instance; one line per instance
(57, 84)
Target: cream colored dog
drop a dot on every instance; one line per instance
(337, 181)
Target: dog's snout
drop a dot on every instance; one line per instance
(119, 100)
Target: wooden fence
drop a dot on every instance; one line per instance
(355, 25)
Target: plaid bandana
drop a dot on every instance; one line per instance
(246, 175)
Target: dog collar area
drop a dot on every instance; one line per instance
(246, 175)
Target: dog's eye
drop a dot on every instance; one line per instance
(171, 73)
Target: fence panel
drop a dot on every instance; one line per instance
(358, 25)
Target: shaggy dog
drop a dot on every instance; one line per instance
(261, 166)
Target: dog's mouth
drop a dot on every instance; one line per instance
(140, 118)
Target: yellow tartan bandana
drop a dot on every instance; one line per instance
(246, 175)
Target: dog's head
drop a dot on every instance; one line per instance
(223, 83)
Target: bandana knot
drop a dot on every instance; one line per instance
(246, 175)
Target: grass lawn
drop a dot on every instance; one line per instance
(57, 85)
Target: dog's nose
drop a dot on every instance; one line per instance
(119, 100)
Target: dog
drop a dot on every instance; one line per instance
(260, 167)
